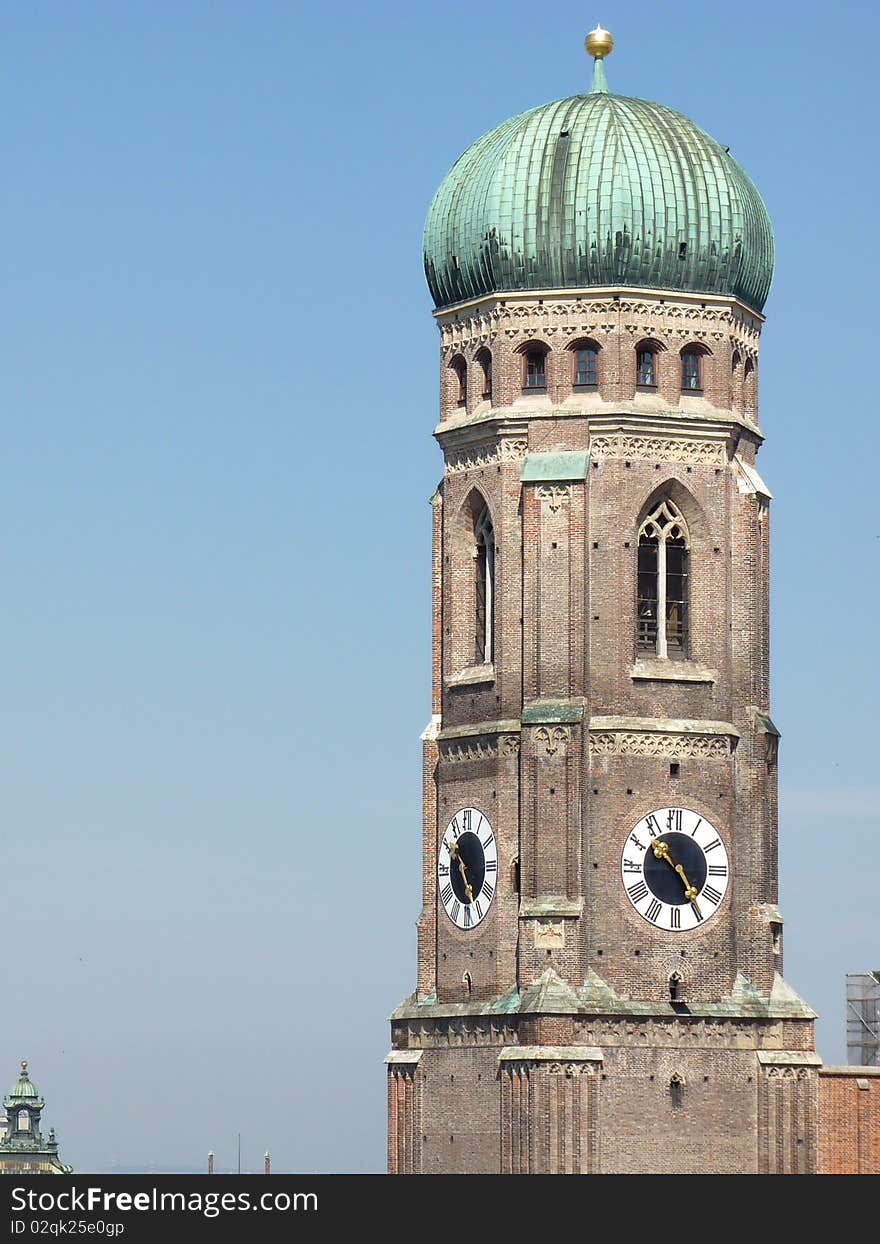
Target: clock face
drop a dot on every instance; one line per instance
(467, 868)
(675, 869)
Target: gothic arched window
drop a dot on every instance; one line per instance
(484, 593)
(662, 608)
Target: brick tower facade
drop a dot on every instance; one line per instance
(599, 951)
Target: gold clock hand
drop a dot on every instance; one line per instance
(454, 855)
(467, 884)
(662, 852)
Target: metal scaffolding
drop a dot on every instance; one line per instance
(863, 1019)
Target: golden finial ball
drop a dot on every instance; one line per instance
(598, 43)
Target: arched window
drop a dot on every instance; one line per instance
(586, 362)
(24, 1121)
(484, 594)
(459, 366)
(484, 358)
(691, 371)
(662, 609)
(534, 368)
(646, 367)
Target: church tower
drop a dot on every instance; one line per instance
(23, 1149)
(600, 981)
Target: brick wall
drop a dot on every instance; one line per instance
(849, 1121)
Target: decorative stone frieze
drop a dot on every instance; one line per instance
(659, 449)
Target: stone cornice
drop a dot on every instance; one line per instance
(665, 427)
(595, 299)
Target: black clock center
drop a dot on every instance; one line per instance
(660, 876)
(470, 853)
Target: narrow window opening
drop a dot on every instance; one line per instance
(646, 370)
(682, 250)
(585, 369)
(535, 375)
(459, 367)
(776, 934)
(674, 987)
(691, 378)
(662, 575)
(674, 769)
(24, 1121)
(484, 588)
(466, 981)
(484, 358)
(676, 1092)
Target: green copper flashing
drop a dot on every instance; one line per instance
(599, 85)
(559, 467)
(551, 713)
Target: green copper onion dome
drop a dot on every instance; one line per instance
(596, 190)
(23, 1089)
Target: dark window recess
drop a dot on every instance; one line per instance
(676, 1092)
(585, 367)
(535, 374)
(484, 587)
(676, 596)
(647, 607)
(460, 369)
(690, 371)
(484, 358)
(682, 250)
(646, 373)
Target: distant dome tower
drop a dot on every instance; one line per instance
(600, 979)
(23, 1151)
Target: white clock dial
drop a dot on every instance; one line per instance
(675, 869)
(467, 868)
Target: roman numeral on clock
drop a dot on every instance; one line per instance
(443, 870)
(488, 841)
(717, 870)
(675, 917)
(632, 866)
(654, 911)
(635, 840)
(467, 916)
(713, 895)
(637, 892)
(697, 826)
(446, 894)
(652, 824)
(454, 910)
(491, 866)
(488, 891)
(673, 819)
(716, 842)
(466, 818)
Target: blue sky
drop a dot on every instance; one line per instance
(219, 387)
